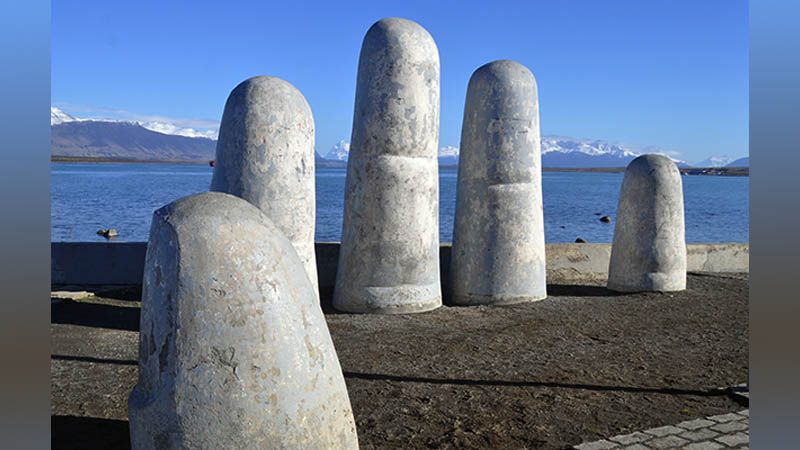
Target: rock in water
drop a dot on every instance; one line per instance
(649, 248)
(265, 155)
(389, 259)
(234, 352)
(605, 219)
(108, 233)
(498, 235)
(580, 240)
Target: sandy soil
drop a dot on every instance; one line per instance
(581, 365)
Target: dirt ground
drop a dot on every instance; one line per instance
(582, 365)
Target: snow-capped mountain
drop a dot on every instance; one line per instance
(168, 128)
(567, 152)
(448, 156)
(714, 161)
(58, 117)
(562, 144)
(341, 150)
(557, 151)
(125, 141)
(74, 137)
(338, 152)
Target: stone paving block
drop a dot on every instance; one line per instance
(635, 447)
(730, 427)
(597, 445)
(725, 417)
(695, 424)
(705, 445)
(702, 434)
(742, 396)
(734, 439)
(664, 431)
(668, 442)
(632, 438)
(710, 433)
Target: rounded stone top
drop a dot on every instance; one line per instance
(651, 165)
(203, 212)
(403, 36)
(504, 71)
(272, 89)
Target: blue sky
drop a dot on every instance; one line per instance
(666, 75)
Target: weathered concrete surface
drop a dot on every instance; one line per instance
(570, 263)
(649, 248)
(498, 254)
(718, 257)
(265, 155)
(234, 350)
(103, 264)
(389, 260)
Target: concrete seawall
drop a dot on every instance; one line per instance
(121, 263)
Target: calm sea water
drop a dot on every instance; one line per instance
(87, 197)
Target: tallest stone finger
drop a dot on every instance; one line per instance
(389, 260)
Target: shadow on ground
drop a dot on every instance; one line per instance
(88, 433)
(93, 360)
(577, 290)
(95, 315)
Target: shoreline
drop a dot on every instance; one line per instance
(103, 160)
(708, 171)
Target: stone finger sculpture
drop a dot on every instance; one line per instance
(234, 352)
(389, 258)
(498, 254)
(265, 155)
(649, 248)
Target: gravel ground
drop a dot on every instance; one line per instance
(582, 365)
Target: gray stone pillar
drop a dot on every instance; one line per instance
(649, 248)
(265, 155)
(389, 259)
(234, 352)
(498, 235)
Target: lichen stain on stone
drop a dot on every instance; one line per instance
(313, 353)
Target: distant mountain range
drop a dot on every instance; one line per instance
(73, 137)
(338, 152)
(126, 140)
(557, 152)
(741, 162)
(714, 161)
(58, 117)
